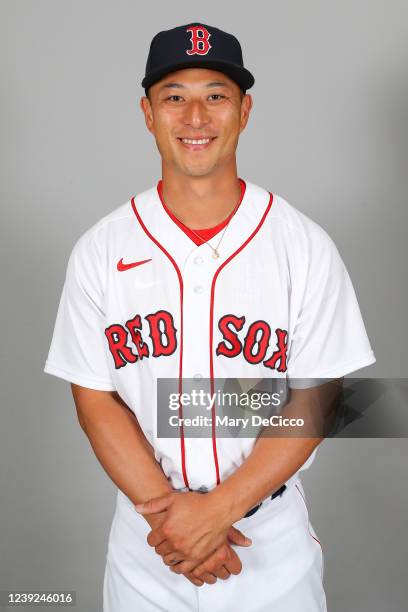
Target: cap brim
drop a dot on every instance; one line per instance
(237, 73)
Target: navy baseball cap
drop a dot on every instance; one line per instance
(196, 45)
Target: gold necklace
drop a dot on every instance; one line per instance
(215, 250)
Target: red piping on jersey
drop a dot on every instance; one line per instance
(180, 279)
(247, 241)
(311, 535)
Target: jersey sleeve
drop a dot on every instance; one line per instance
(78, 351)
(329, 339)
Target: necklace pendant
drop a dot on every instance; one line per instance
(215, 254)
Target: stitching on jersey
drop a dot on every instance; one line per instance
(180, 279)
(214, 280)
(308, 526)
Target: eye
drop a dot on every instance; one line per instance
(174, 98)
(216, 97)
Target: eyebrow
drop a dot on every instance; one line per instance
(181, 86)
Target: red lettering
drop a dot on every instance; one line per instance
(230, 336)
(280, 353)
(162, 328)
(117, 337)
(134, 325)
(252, 340)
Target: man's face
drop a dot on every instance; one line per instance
(196, 104)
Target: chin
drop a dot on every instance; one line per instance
(198, 170)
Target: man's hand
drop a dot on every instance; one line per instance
(154, 520)
(220, 564)
(193, 528)
(224, 561)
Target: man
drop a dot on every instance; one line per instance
(205, 276)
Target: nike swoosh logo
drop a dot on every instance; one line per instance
(122, 267)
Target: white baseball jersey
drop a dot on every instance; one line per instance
(141, 301)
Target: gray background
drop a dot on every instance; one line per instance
(328, 132)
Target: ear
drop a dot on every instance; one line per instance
(146, 107)
(246, 106)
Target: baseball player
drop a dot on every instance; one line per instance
(203, 276)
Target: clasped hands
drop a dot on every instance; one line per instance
(193, 534)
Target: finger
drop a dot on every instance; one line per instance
(222, 572)
(194, 580)
(208, 578)
(233, 564)
(224, 556)
(235, 536)
(220, 557)
(171, 559)
(157, 504)
(184, 566)
(156, 537)
(165, 548)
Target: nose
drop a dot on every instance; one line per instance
(196, 114)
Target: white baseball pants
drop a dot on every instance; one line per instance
(282, 569)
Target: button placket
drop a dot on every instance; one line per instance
(197, 277)
(198, 274)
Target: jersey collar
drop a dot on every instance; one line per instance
(175, 241)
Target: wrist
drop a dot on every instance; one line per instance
(230, 506)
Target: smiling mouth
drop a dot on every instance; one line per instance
(195, 144)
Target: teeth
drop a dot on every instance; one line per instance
(196, 142)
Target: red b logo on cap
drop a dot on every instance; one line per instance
(199, 40)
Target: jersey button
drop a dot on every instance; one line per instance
(197, 376)
(198, 289)
(198, 260)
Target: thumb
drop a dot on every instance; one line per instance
(156, 504)
(235, 536)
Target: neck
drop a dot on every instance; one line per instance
(201, 202)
